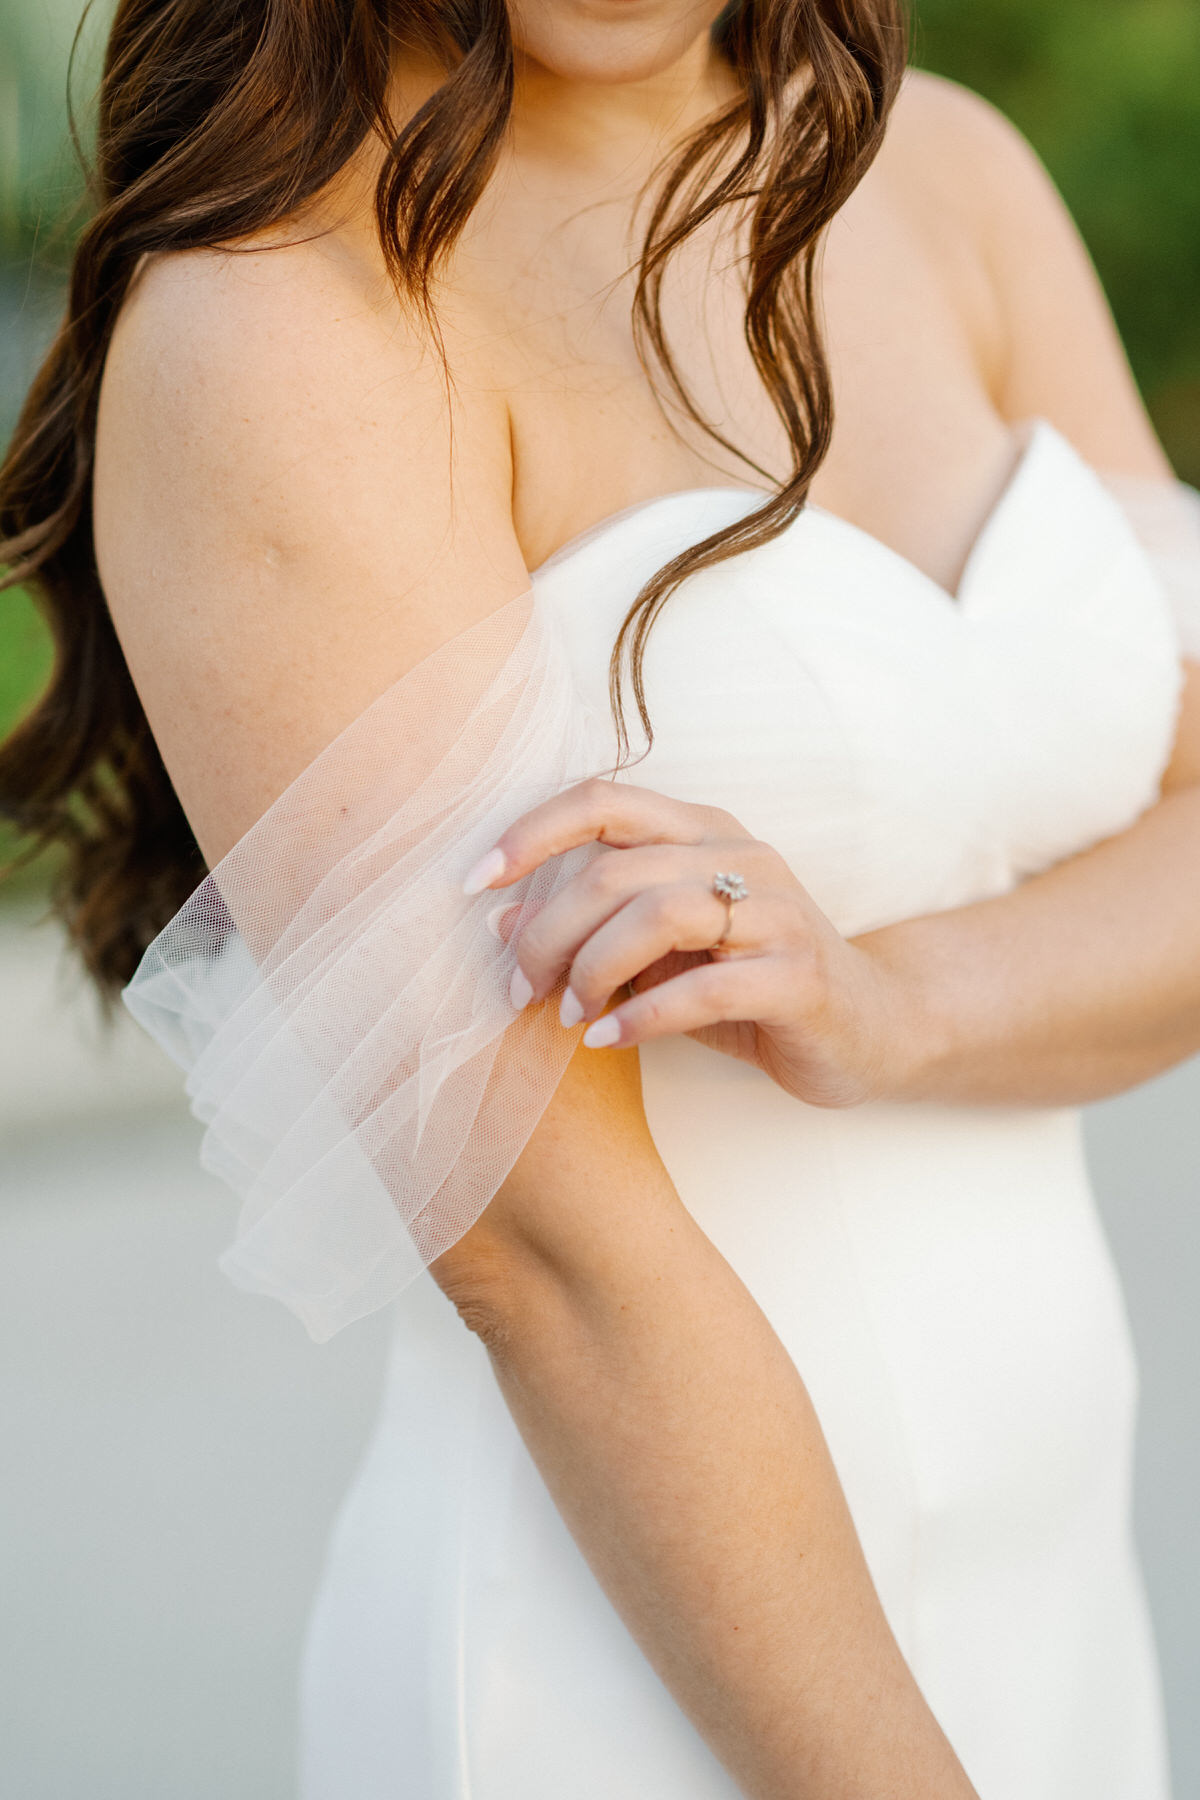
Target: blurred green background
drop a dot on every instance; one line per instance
(1107, 90)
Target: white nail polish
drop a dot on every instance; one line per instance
(569, 1010)
(602, 1032)
(494, 917)
(488, 869)
(520, 991)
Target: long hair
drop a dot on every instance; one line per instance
(220, 118)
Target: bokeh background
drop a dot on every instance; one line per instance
(172, 1452)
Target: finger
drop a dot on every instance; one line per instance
(673, 917)
(714, 993)
(501, 920)
(554, 936)
(593, 811)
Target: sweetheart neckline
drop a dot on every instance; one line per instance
(1033, 430)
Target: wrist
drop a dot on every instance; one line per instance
(915, 1039)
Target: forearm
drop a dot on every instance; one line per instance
(1083, 981)
(680, 1445)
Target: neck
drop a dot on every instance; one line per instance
(594, 129)
(592, 137)
(609, 129)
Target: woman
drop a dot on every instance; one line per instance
(400, 431)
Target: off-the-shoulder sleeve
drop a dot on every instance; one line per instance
(1165, 516)
(341, 1008)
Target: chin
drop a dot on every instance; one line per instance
(609, 41)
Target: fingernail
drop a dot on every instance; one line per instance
(569, 1010)
(488, 869)
(603, 1032)
(520, 992)
(495, 918)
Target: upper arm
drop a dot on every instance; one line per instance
(289, 513)
(1057, 353)
(1064, 360)
(289, 516)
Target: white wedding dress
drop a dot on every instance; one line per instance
(937, 1273)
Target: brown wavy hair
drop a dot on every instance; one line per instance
(220, 118)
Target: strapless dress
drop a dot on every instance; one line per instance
(937, 1273)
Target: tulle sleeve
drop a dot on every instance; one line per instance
(1165, 516)
(341, 1008)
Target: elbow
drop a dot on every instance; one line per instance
(585, 1211)
(496, 1291)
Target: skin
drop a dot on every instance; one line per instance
(284, 528)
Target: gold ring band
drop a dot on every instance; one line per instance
(729, 888)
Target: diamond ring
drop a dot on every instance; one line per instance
(730, 888)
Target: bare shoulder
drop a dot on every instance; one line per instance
(953, 157)
(961, 148)
(295, 500)
(966, 171)
(934, 114)
(253, 338)
(266, 379)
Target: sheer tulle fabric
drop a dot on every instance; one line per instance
(342, 1008)
(1165, 516)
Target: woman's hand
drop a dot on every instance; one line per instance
(785, 990)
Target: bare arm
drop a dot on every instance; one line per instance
(280, 538)
(1082, 982)
(680, 1445)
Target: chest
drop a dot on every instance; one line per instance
(917, 452)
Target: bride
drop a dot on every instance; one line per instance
(622, 535)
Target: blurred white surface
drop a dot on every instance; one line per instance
(58, 1065)
(173, 1451)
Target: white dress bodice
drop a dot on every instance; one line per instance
(938, 1274)
(905, 749)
